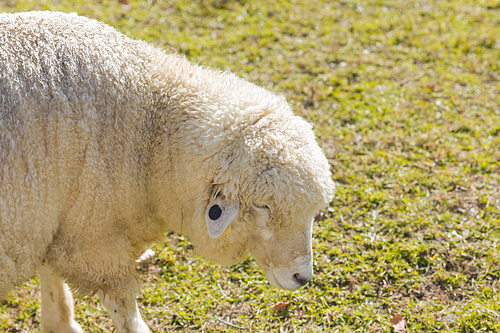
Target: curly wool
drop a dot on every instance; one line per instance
(107, 142)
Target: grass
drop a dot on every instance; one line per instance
(405, 98)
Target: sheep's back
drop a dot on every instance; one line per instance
(72, 98)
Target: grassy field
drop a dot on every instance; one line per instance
(405, 98)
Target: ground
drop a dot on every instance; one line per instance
(405, 99)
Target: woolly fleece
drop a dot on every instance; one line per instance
(108, 142)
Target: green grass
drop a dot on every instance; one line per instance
(405, 98)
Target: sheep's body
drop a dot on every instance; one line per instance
(107, 142)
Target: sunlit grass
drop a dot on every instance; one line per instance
(405, 100)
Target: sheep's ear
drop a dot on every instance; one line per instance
(219, 215)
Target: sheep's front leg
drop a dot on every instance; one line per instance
(56, 304)
(122, 308)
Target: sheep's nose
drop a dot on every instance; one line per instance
(302, 280)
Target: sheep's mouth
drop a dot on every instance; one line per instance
(278, 277)
(267, 266)
(274, 281)
(271, 277)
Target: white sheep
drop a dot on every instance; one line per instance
(107, 142)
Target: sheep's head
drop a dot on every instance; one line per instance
(268, 191)
(254, 177)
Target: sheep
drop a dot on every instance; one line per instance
(107, 143)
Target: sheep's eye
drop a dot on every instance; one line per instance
(215, 212)
(262, 206)
(262, 209)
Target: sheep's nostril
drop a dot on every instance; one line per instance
(301, 280)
